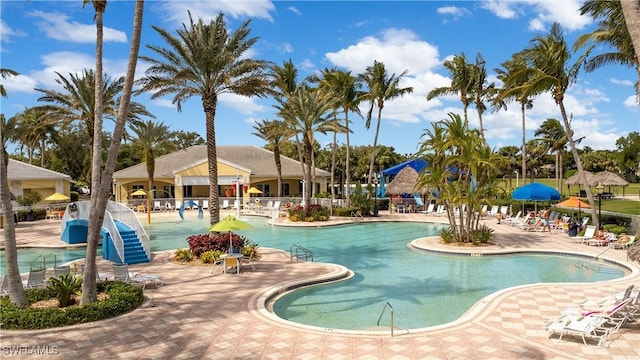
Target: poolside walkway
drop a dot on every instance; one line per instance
(199, 315)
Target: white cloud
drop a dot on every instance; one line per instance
(20, 83)
(208, 10)
(307, 65)
(502, 9)
(242, 104)
(623, 82)
(454, 11)
(163, 103)
(543, 12)
(6, 32)
(57, 26)
(286, 48)
(631, 102)
(294, 10)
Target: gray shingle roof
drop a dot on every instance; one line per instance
(260, 161)
(18, 170)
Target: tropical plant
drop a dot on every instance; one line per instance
(275, 133)
(183, 255)
(381, 87)
(4, 73)
(513, 74)
(549, 69)
(28, 199)
(65, 287)
(461, 83)
(612, 32)
(631, 11)
(481, 90)
(205, 60)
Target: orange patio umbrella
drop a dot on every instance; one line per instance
(574, 202)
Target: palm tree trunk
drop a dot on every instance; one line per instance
(631, 11)
(96, 215)
(15, 289)
(334, 151)
(276, 155)
(524, 144)
(480, 121)
(576, 157)
(209, 105)
(375, 146)
(308, 151)
(347, 174)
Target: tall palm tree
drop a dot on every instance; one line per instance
(631, 11)
(346, 89)
(461, 83)
(4, 73)
(306, 112)
(611, 31)
(149, 136)
(205, 60)
(549, 70)
(481, 90)
(513, 74)
(99, 201)
(15, 289)
(555, 140)
(381, 87)
(275, 133)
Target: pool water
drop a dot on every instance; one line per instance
(424, 289)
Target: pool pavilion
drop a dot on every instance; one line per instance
(184, 175)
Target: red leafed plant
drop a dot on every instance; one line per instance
(205, 242)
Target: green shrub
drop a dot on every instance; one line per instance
(309, 214)
(613, 228)
(207, 257)
(183, 255)
(481, 235)
(121, 298)
(446, 235)
(65, 288)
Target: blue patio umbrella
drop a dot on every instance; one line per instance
(535, 192)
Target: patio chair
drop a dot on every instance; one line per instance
(495, 209)
(248, 260)
(225, 204)
(4, 288)
(514, 219)
(592, 327)
(156, 205)
(231, 262)
(61, 270)
(36, 279)
(623, 242)
(205, 204)
(429, 209)
(216, 262)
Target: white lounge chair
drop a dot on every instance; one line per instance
(225, 204)
(36, 279)
(583, 326)
(156, 205)
(121, 272)
(589, 232)
(429, 209)
(205, 204)
(495, 210)
(515, 219)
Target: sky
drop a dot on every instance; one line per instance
(40, 38)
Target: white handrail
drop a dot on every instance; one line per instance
(127, 216)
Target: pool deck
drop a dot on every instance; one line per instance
(197, 314)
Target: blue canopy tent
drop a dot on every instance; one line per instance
(417, 164)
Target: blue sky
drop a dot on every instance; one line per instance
(38, 38)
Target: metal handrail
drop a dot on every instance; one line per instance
(386, 304)
(127, 216)
(356, 215)
(299, 248)
(594, 259)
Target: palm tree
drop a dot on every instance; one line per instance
(4, 73)
(631, 11)
(480, 89)
(151, 135)
(513, 74)
(381, 87)
(99, 201)
(205, 60)
(549, 70)
(306, 112)
(461, 83)
(346, 89)
(275, 133)
(612, 32)
(15, 289)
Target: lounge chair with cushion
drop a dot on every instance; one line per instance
(593, 327)
(61, 270)
(589, 232)
(623, 242)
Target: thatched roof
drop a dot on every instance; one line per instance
(405, 182)
(609, 178)
(575, 179)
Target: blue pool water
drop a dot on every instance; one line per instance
(424, 289)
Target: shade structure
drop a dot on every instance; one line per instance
(139, 192)
(229, 224)
(56, 196)
(535, 192)
(575, 203)
(609, 178)
(254, 190)
(405, 183)
(575, 179)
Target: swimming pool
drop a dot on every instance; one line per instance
(425, 289)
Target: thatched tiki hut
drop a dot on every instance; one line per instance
(605, 178)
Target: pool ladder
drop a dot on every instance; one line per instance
(593, 260)
(300, 252)
(386, 305)
(356, 216)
